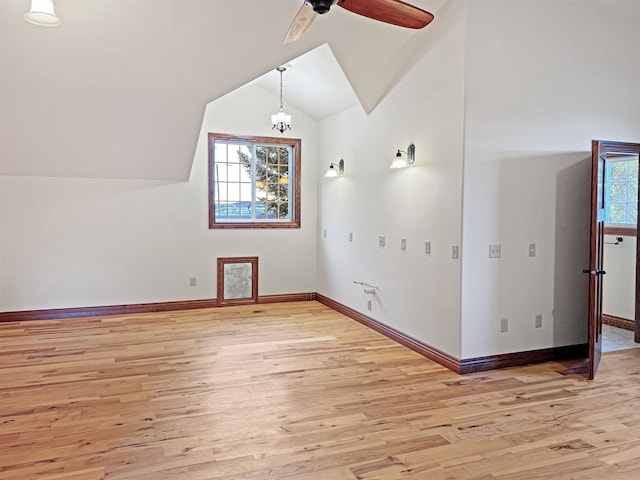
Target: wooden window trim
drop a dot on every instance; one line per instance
(295, 144)
(630, 231)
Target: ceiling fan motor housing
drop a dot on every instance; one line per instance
(321, 6)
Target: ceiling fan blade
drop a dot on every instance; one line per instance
(303, 19)
(394, 12)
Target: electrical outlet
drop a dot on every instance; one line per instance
(532, 249)
(538, 321)
(368, 304)
(192, 281)
(427, 248)
(455, 251)
(495, 251)
(351, 236)
(381, 240)
(504, 325)
(403, 243)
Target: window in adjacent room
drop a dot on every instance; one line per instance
(254, 182)
(621, 190)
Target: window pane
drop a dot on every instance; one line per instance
(272, 209)
(618, 213)
(245, 192)
(633, 192)
(632, 213)
(272, 155)
(261, 154)
(618, 192)
(233, 172)
(221, 191)
(284, 210)
(633, 170)
(261, 211)
(221, 172)
(272, 175)
(221, 152)
(618, 171)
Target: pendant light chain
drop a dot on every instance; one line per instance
(281, 69)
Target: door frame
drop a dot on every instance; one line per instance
(600, 147)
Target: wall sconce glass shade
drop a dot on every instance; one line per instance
(404, 159)
(335, 170)
(42, 14)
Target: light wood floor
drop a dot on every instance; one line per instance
(294, 391)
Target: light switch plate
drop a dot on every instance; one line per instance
(504, 325)
(538, 321)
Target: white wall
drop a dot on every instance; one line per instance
(88, 242)
(543, 78)
(619, 284)
(418, 294)
(502, 101)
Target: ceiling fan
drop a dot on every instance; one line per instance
(394, 12)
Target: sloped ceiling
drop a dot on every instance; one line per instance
(120, 88)
(313, 83)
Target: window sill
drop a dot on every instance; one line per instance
(255, 225)
(629, 231)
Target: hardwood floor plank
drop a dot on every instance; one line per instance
(294, 391)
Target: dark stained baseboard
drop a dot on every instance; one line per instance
(422, 348)
(463, 366)
(290, 297)
(468, 365)
(619, 322)
(60, 313)
(519, 359)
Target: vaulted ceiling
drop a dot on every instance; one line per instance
(119, 89)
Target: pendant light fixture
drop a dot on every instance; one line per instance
(42, 14)
(281, 121)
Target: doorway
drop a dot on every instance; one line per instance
(620, 289)
(620, 252)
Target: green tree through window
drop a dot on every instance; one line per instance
(271, 174)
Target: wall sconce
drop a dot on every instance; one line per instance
(406, 160)
(335, 170)
(42, 14)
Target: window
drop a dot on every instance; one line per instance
(621, 190)
(254, 182)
